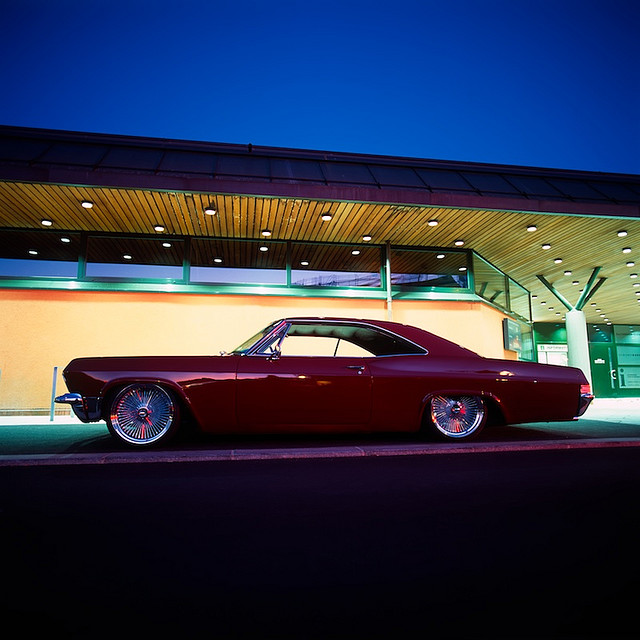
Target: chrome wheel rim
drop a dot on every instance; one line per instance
(142, 414)
(457, 417)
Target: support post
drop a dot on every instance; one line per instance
(578, 342)
(576, 323)
(52, 409)
(387, 273)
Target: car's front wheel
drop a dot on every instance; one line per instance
(143, 415)
(456, 417)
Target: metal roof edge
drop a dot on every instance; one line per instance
(59, 135)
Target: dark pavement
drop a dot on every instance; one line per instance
(532, 544)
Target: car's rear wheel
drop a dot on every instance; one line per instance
(457, 417)
(143, 415)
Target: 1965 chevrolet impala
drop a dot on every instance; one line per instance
(322, 375)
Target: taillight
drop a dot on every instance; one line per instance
(585, 389)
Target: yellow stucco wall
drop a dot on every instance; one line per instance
(43, 329)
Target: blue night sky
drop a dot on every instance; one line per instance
(549, 83)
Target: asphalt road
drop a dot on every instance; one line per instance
(528, 544)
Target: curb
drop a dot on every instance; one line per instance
(235, 455)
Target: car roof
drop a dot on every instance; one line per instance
(434, 344)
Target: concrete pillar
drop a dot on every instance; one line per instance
(578, 342)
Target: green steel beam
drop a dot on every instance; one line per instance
(587, 292)
(555, 292)
(592, 292)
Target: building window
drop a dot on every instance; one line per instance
(234, 262)
(490, 283)
(315, 265)
(416, 269)
(37, 254)
(134, 258)
(519, 300)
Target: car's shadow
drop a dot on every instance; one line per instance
(61, 440)
(194, 441)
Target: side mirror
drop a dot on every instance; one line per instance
(275, 352)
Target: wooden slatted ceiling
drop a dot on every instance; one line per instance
(500, 237)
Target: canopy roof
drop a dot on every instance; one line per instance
(138, 183)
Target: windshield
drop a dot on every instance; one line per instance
(247, 344)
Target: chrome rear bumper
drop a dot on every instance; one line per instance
(585, 401)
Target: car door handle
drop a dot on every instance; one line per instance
(357, 367)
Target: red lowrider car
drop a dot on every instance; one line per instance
(322, 375)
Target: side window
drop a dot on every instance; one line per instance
(320, 346)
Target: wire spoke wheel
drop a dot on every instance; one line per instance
(458, 416)
(142, 414)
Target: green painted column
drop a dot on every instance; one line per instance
(578, 342)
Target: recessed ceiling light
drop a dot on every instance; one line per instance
(126, 256)
(575, 282)
(534, 296)
(462, 269)
(87, 204)
(326, 217)
(433, 223)
(598, 310)
(159, 228)
(46, 223)
(543, 302)
(65, 239)
(603, 315)
(217, 260)
(367, 238)
(568, 273)
(622, 234)
(355, 252)
(546, 246)
(633, 275)
(636, 284)
(33, 252)
(210, 211)
(551, 308)
(263, 248)
(532, 227)
(266, 233)
(440, 256)
(166, 245)
(631, 264)
(557, 260)
(626, 250)
(304, 263)
(459, 243)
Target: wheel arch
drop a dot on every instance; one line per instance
(113, 387)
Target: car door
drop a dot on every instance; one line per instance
(306, 393)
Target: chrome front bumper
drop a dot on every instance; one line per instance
(86, 409)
